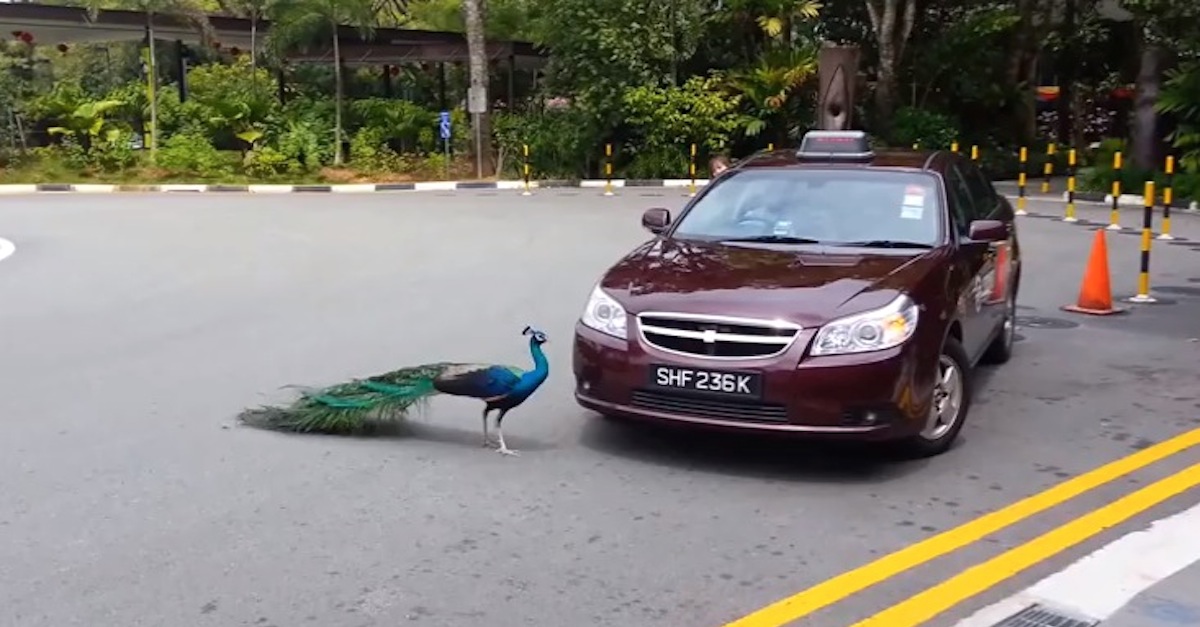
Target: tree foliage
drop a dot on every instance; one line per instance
(649, 77)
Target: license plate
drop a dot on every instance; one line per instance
(700, 380)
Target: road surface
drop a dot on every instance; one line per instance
(133, 328)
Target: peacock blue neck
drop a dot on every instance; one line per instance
(541, 367)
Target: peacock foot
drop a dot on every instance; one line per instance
(503, 450)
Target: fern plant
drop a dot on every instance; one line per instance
(1180, 97)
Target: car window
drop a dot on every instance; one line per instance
(831, 205)
(983, 195)
(962, 209)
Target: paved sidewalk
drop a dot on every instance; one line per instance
(1173, 602)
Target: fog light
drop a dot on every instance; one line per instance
(866, 417)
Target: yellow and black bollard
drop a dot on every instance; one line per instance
(1143, 295)
(1168, 198)
(975, 154)
(1048, 168)
(1024, 158)
(692, 170)
(771, 147)
(525, 150)
(608, 188)
(954, 147)
(1114, 220)
(1070, 217)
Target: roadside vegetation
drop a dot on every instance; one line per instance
(649, 77)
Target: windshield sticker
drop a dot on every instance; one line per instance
(913, 206)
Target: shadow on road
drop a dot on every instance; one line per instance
(782, 459)
(764, 457)
(415, 429)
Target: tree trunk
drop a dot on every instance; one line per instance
(337, 101)
(1023, 63)
(1066, 77)
(1145, 148)
(152, 70)
(475, 14)
(254, 47)
(837, 69)
(892, 25)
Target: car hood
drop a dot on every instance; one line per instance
(808, 286)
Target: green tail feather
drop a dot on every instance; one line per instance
(353, 406)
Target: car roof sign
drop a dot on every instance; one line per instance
(835, 146)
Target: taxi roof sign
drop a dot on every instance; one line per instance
(835, 145)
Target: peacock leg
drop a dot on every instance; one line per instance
(487, 440)
(500, 434)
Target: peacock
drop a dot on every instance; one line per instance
(353, 406)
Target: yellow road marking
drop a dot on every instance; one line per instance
(970, 582)
(833, 590)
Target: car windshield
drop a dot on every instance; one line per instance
(850, 207)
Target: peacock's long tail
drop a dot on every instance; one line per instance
(352, 406)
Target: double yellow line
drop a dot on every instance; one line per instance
(972, 581)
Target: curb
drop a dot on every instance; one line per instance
(1130, 200)
(432, 186)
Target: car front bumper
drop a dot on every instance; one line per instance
(872, 396)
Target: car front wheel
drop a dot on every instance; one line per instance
(948, 409)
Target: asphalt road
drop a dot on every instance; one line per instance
(133, 328)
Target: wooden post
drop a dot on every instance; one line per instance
(837, 70)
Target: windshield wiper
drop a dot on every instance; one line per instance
(885, 243)
(774, 239)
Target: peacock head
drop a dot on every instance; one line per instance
(535, 336)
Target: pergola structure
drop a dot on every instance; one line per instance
(50, 24)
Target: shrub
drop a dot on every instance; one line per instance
(193, 154)
(929, 129)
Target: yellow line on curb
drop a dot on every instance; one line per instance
(970, 582)
(833, 590)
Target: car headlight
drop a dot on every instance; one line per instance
(604, 314)
(878, 329)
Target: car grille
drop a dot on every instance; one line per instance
(709, 408)
(716, 336)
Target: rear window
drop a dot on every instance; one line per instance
(835, 206)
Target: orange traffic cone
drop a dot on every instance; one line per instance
(1095, 295)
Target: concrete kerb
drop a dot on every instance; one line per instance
(355, 188)
(1129, 200)
(1125, 200)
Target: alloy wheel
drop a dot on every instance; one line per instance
(947, 399)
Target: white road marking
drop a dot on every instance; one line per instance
(7, 248)
(1101, 583)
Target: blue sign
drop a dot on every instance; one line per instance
(444, 125)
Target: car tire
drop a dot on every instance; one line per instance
(1001, 348)
(940, 431)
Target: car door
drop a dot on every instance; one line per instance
(972, 262)
(990, 206)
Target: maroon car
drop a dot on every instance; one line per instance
(826, 291)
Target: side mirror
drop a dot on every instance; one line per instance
(656, 220)
(988, 231)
